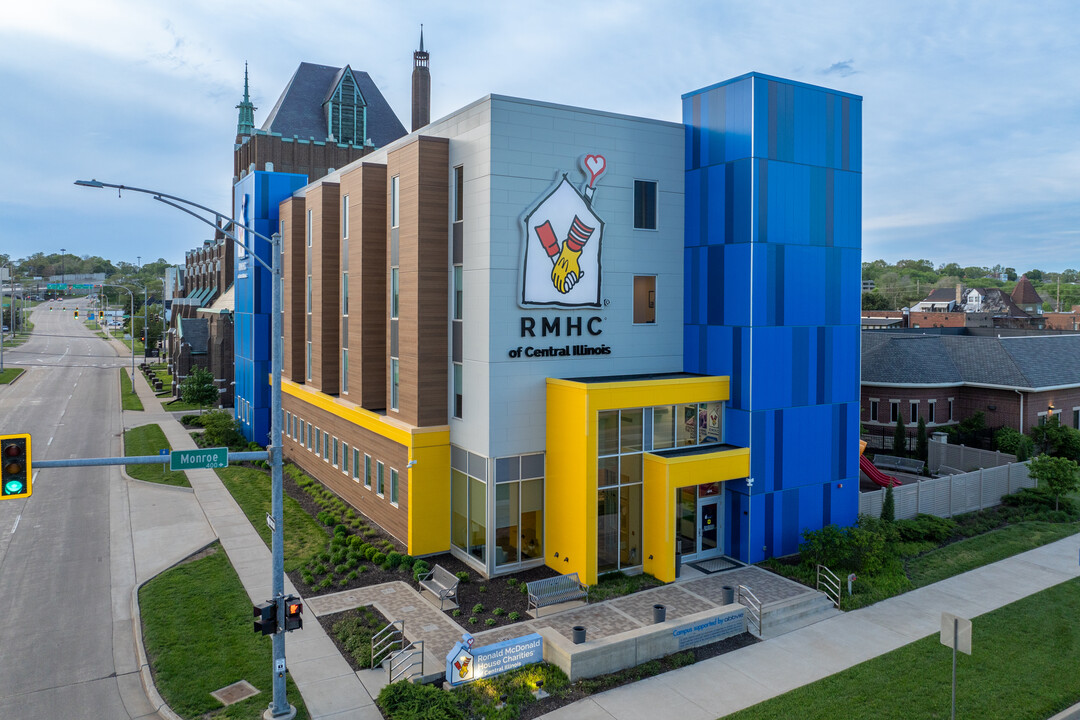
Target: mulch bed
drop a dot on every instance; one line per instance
(492, 593)
(328, 621)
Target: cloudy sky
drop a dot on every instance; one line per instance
(971, 115)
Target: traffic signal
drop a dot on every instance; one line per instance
(15, 470)
(294, 611)
(76, 313)
(266, 618)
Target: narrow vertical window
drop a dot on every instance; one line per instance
(345, 457)
(356, 465)
(345, 294)
(458, 281)
(394, 291)
(873, 410)
(459, 193)
(367, 471)
(395, 186)
(931, 412)
(345, 371)
(379, 478)
(644, 299)
(309, 360)
(309, 228)
(913, 415)
(393, 383)
(458, 402)
(950, 410)
(345, 217)
(894, 410)
(644, 205)
(393, 485)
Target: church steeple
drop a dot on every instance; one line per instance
(245, 123)
(421, 87)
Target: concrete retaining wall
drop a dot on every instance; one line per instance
(634, 647)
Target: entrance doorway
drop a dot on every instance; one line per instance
(699, 512)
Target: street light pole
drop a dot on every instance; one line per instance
(62, 278)
(132, 316)
(279, 708)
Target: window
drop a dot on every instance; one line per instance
(393, 485)
(379, 478)
(644, 204)
(644, 299)
(344, 293)
(394, 292)
(307, 435)
(458, 402)
(913, 415)
(356, 465)
(367, 471)
(459, 193)
(621, 441)
(345, 371)
(309, 294)
(345, 457)
(395, 186)
(931, 411)
(458, 281)
(1076, 418)
(873, 410)
(950, 410)
(335, 461)
(326, 446)
(345, 217)
(894, 410)
(309, 360)
(288, 424)
(309, 228)
(393, 383)
(318, 442)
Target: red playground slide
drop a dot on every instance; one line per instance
(876, 475)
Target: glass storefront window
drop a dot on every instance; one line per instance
(630, 431)
(477, 519)
(686, 427)
(630, 525)
(713, 425)
(506, 523)
(459, 508)
(532, 519)
(608, 438)
(607, 530)
(630, 469)
(607, 471)
(663, 427)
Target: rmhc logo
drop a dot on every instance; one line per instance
(564, 273)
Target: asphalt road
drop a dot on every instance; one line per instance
(64, 558)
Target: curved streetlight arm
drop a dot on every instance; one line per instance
(222, 230)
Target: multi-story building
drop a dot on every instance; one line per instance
(536, 334)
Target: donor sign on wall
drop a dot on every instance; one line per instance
(466, 663)
(563, 238)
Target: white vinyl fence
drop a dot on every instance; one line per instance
(953, 494)
(964, 459)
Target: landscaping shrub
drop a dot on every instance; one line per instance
(862, 548)
(222, 429)
(393, 559)
(340, 529)
(404, 700)
(407, 561)
(463, 576)
(926, 528)
(195, 420)
(420, 568)
(378, 558)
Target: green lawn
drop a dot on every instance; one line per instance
(127, 344)
(128, 399)
(1023, 665)
(181, 405)
(148, 440)
(8, 375)
(304, 537)
(197, 629)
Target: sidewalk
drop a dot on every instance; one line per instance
(745, 677)
(329, 686)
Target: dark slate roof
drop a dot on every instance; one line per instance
(941, 295)
(1024, 293)
(299, 110)
(1020, 362)
(195, 332)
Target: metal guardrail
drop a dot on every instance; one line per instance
(390, 638)
(831, 581)
(753, 606)
(403, 663)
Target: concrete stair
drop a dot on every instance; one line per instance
(791, 614)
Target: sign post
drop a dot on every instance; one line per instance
(955, 633)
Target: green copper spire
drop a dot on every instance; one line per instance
(245, 124)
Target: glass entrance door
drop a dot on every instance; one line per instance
(708, 514)
(698, 514)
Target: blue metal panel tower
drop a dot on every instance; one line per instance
(772, 278)
(256, 199)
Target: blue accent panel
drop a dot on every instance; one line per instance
(771, 524)
(735, 285)
(789, 540)
(735, 523)
(737, 429)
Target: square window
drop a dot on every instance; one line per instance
(644, 299)
(644, 204)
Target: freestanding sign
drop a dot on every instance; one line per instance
(955, 633)
(199, 459)
(466, 663)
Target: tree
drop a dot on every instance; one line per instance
(198, 387)
(1012, 441)
(899, 441)
(1034, 275)
(875, 301)
(1056, 439)
(1059, 474)
(888, 506)
(222, 429)
(922, 447)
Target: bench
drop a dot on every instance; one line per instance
(441, 583)
(915, 467)
(887, 462)
(555, 590)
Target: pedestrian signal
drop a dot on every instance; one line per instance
(15, 467)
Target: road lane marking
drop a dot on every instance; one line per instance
(48, 444)
(17, 519)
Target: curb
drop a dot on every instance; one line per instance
(123, 470)
(16, 379)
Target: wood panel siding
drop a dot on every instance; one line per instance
(368, 242)
(292, 213)
(423, 256)
(393, 456)
(324, 200)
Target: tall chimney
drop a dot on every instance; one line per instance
(958, 294)
(421, 87)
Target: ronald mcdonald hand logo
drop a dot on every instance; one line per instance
(562, 244)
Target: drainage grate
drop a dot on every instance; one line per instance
(715, 565)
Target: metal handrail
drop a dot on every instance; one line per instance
(391, 637)
(831, 581)
(753, 606)
(403, 661)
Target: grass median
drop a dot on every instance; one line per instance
(8, 375)
(150, 440)
(128, 399)
(1022, 666)
(197, 630)
(304, 537)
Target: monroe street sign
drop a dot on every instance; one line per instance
(199, 459)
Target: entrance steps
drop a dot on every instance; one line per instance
(793, 613)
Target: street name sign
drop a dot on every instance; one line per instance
(204, 458)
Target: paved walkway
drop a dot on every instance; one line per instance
(713, 688)
(328, 685)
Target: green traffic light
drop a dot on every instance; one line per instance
(14, 487)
